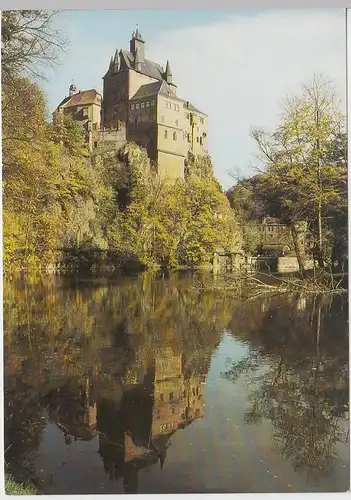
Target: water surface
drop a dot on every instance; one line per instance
(144, 385)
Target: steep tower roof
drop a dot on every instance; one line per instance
(155, 88)
(168, 71)
(116, 62)
(148, 68)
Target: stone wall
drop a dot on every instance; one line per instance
(290, 264)
(110, 139)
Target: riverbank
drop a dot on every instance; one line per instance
(248, 286)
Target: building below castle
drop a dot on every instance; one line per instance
(140, 104)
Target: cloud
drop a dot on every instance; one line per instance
(239, 70)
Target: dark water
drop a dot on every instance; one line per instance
(144, 385)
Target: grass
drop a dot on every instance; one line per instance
(14, 488)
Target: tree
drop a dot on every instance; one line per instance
(297, 375)
(68, 132)
(249, 209)
(301, 182)
(30, 41)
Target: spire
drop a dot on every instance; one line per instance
(168, 69)
(137, 34)
(116, 62)
(111, 62)
(168, 73)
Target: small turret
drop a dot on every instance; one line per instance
(72, 90)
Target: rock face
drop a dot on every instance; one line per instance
(134, 157)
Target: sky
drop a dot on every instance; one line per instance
(235, 65)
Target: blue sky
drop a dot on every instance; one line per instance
(235, 65)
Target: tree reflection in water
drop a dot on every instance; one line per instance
(298, 366)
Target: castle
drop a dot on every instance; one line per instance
(140, 104)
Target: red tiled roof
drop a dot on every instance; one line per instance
(82, 98)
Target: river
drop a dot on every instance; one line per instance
(144, 385)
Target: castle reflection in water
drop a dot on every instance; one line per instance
(133, 416)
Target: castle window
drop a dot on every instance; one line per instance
(187, 116)
(143, 104)
(161, 397)
(171, 396)
(168, 105)
(201, 141)
(137, 106)
(147, 104)
(152, 103)
(177, 123)
(132, 106)
(189, 138)
(197, 139)
(95, 144)
(201, 120)
(204, 134)
(174, 136)
(166, 134)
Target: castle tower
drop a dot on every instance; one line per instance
(137, 60)
(137, 43)
(115, 93)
